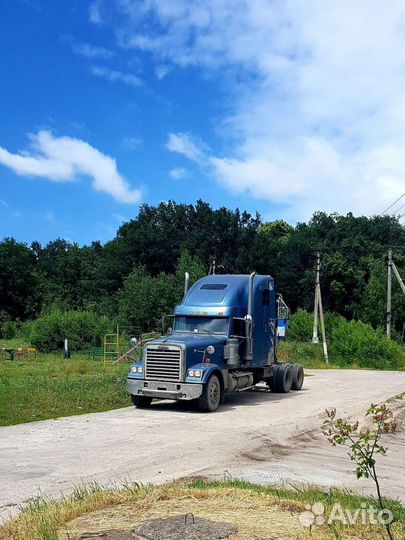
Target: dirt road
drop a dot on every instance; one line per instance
(259, 436)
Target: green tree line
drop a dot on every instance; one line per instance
(138, 275)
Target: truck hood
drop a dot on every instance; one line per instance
(191, 340)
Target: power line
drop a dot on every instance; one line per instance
(395, 202)
(398, 209)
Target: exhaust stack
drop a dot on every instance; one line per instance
(249, 321)
(186, 282)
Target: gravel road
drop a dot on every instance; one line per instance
(258, 436)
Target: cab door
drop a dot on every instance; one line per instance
(262, 330)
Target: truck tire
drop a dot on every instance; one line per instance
(282, 379)
(141, 402)
(297, 376)
(211, 396)
(271, 381)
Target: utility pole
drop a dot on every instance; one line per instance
(399, 279)
(392, 268)
(324, 344)
(318, 310)
(389, 285)
(315, 338)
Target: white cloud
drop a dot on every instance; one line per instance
(178, 174)
(313, 175)
(182, 143)
(316, 94)
(64, 159)
(161, 71)
(91, 51)
(113, 76)
(95, 12)
(131, 143)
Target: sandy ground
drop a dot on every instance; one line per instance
(258, 436)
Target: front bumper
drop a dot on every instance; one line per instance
(163, 390)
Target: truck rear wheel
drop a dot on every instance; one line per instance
(297, 376)
(211, 396)
(142, 402)
(281, 380)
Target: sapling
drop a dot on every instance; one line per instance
(364, 444)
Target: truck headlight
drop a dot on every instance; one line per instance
(194, 373)
(136, 369)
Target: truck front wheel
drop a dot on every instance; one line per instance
(142, 402)
(211, 396)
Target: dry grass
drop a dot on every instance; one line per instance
(257, 512)
(254, 516)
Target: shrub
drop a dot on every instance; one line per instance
(24, 330)
(349, 342)
(358, 342)
(83, 329)
(300, 326)
(9, 330)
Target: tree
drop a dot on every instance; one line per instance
(144, 299)
(364, 445)
(18, 284)
(353, 269)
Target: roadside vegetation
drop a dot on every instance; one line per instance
(41, 386)
(257, 511)
(351, 344)
(47, 386)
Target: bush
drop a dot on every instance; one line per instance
(83, 329)
(307, 354)
(300, 326)
(349, 342)
(8, 330)
(358, 342)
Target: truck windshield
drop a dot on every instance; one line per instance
(203, 325)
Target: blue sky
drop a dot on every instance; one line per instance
(279, 107)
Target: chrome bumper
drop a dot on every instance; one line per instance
(163, 390)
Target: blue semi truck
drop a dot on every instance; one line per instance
(223, 340)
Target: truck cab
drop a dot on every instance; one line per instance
(223, 340)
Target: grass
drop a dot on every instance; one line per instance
(311, 356)
(308, 494)
(257, 511)
(47, 386)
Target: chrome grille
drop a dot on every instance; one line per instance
(163, 363)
